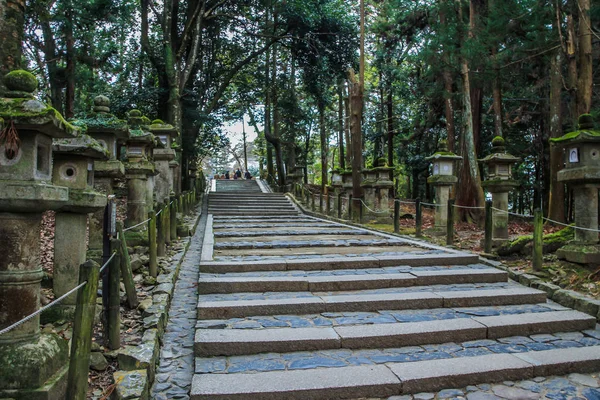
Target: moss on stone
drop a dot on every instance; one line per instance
(551, 243)
(498, 141)
(33, 112)
(158, 122)
(102, 121)
(21, 81)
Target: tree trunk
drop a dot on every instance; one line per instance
(12, 18)
(341, 129)
(585, 78)
(556, 207)
(469, 191)
(448, 92)
(70, 70)
(347, 132)
(572, 74)
(356, 100)
(324, 149)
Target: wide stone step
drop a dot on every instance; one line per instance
(228, 342)
(228, 284)
(271, 230)
(291, 244)
(331, 263)
(366, 302)
(257, 212)
(393, 378)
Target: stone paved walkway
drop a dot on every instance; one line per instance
(176, 366)
(282, 318)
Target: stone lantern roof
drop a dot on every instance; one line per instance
(160, 127)
(443, 154)
(100, 120)
(585, 134)
(21, 108)
(83, 145)
(499, 154)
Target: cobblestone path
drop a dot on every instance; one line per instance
(294, 307)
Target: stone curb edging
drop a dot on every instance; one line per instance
(566, 298)
(137, 364)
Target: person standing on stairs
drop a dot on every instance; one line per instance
(238, 174)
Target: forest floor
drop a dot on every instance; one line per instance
(469, 237)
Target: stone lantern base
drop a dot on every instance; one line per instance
(580, 253)
(34, 370)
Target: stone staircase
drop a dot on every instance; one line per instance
(237, 186)
(243, 198)
(293, 307)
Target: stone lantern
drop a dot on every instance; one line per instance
(377, 184)
(192, 175)
(582, 174)
(337, 187)
(163, 157)
(347, 189)
(139, 170)
(74, 168)
(499, 183)
(31, 362)
(109, 131)
(442, 179)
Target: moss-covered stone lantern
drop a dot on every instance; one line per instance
(442, 179)
(32, 362)
(192, 175)
(336, 189)
(110, 132)
(499, 183)
(376, 184)
(163, 157)
(74, 168)
(582, 174)
(139, 170)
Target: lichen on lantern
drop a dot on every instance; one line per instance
(21, 81)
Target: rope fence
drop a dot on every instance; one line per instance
(54, 302)
(114, 271)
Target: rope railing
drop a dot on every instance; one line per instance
(375, 211)
(52, 303)
(469, 207)
(431, 204)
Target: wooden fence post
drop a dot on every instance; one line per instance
(450, 223)
(487, 247)
(83, 326)
(126, 273)
(418, 219)
(160, 233)
(167, 222)
(173, 215)
(114, 298)
(538, 240)
(396, 216)
(152, 248)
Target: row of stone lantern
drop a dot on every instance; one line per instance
(46, 164)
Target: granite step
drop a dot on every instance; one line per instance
(307, 303)
(258, 212)
(228, 342)
(276, 231)
(337, 263)
(352, 280)
(393, 378)
(291, 244)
